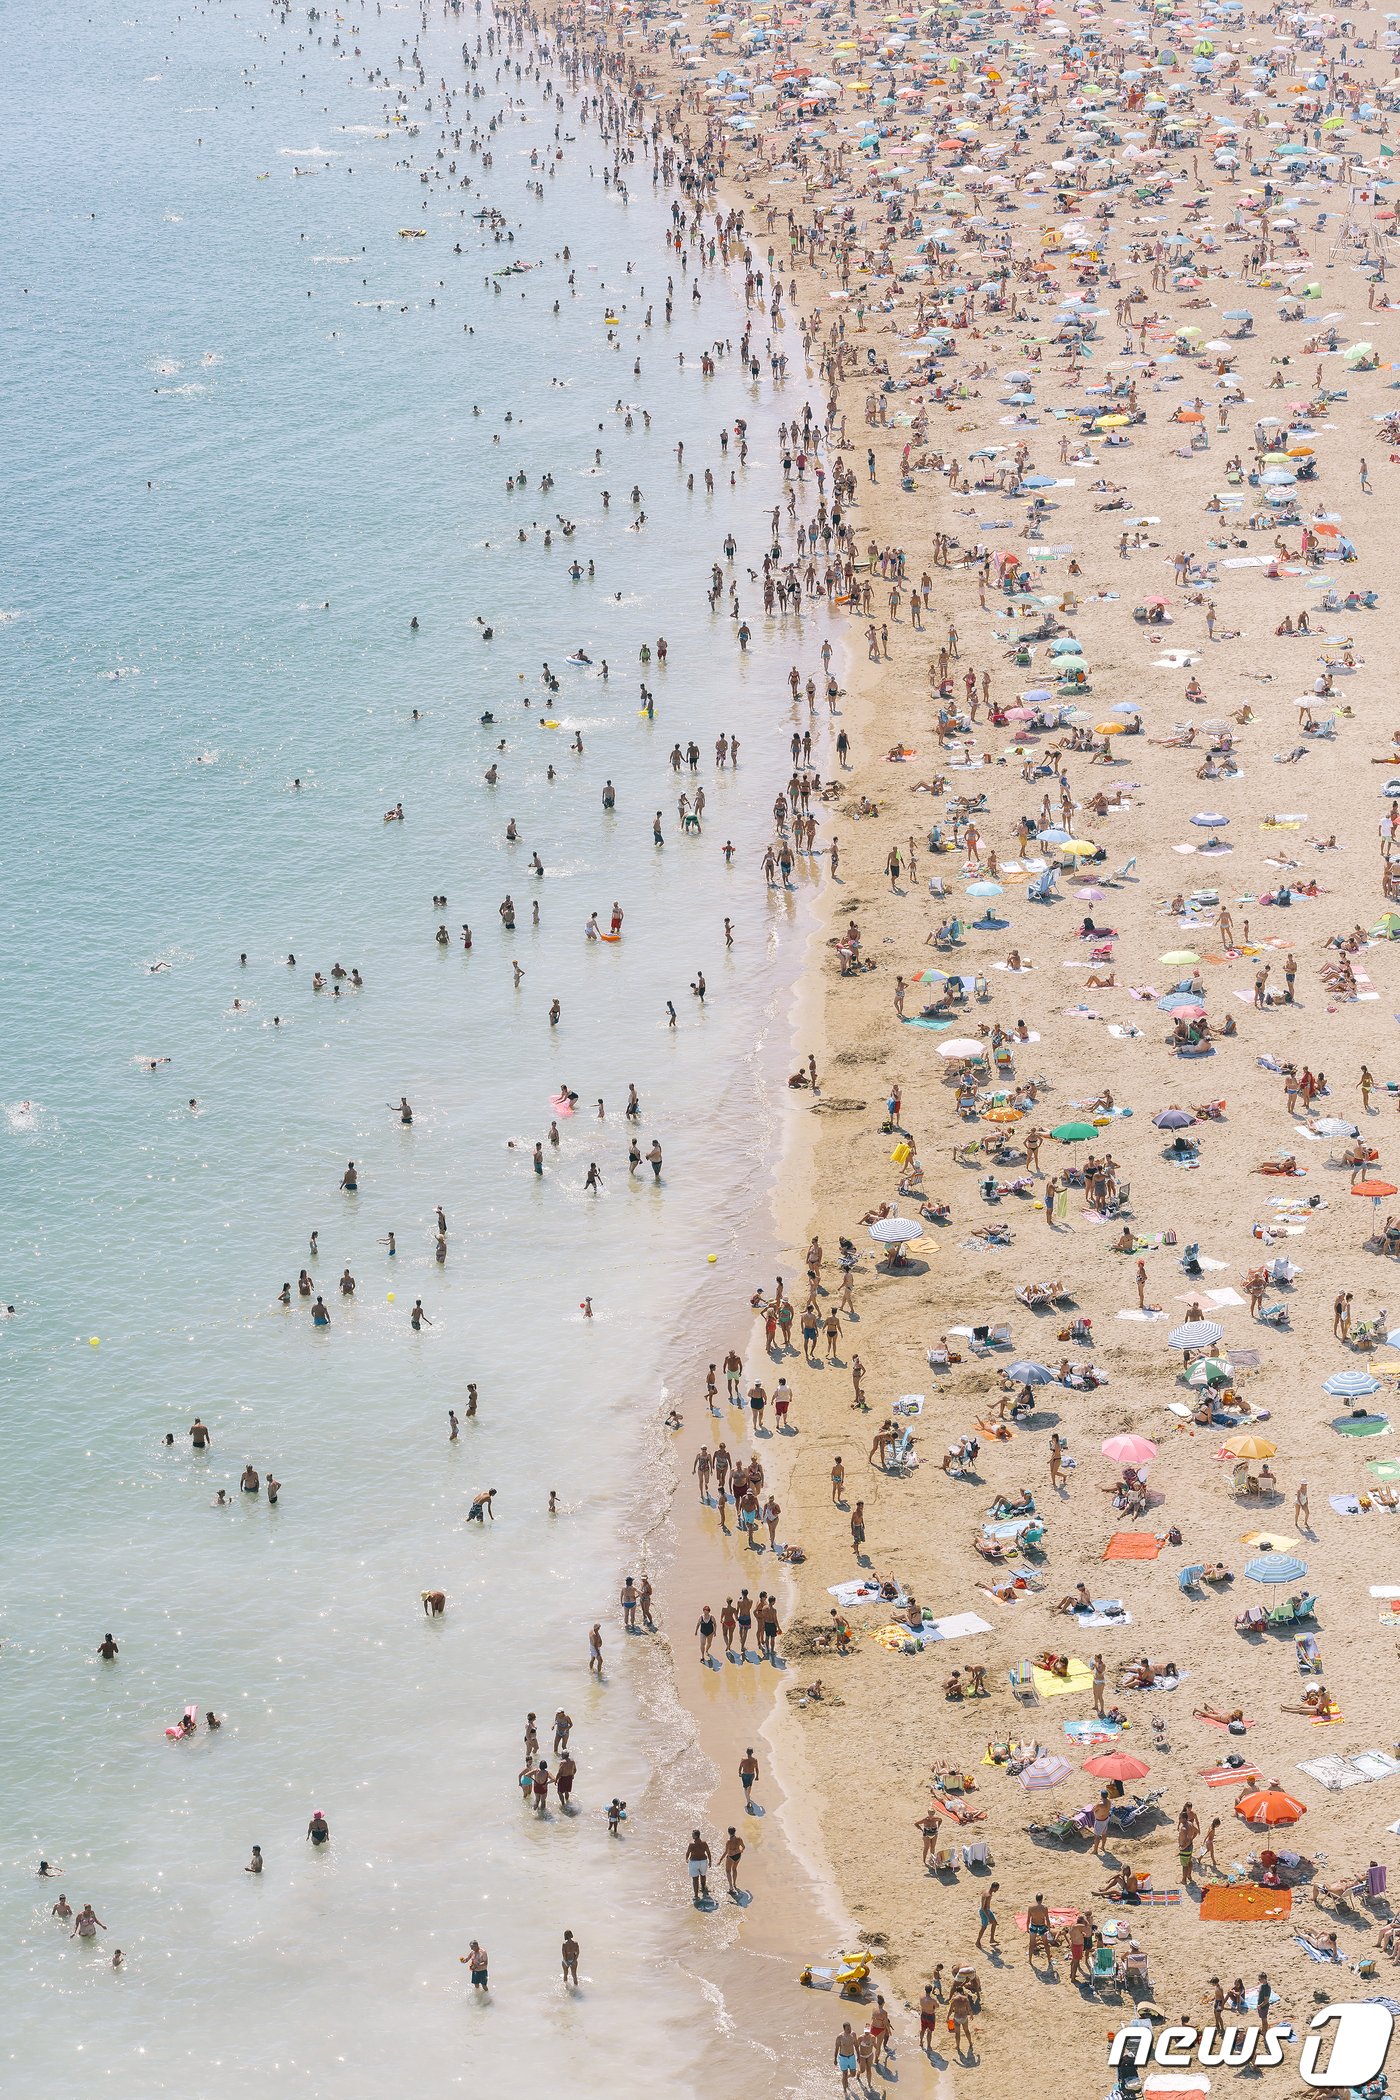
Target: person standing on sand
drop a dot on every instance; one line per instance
(569, 1954)
(986, 1916)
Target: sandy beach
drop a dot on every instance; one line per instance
(1097, 336)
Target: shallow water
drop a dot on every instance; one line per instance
(303, 449)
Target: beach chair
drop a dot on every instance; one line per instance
(1103, 1969)
(1042, 890)
(977, 1854)
(1306, 1608)
(1188, 1579)
(1283, 1614)
(1252, 1621)
(945, 1859)
(1124, 874)
(1307, 1654)
(1022, 1676)
(1136, 1972)
(1000, 1337)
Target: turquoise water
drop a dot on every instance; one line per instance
(230, 401)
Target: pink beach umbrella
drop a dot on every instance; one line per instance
(1127, 1450)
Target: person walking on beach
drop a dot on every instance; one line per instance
(845, 2055)
(748, 1773)
(697, 1863)
(569, 1954)
(732, 1854)
(595, 1650)
(476, 1958)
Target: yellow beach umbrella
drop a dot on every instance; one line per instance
(1111, 423)
(1078, 848)
(1248, 1445)
(1108, 728)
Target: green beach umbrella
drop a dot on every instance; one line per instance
(1074, 1133)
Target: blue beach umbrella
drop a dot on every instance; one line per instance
(1275, 1567)
(1031, 1373)
(1351, 1385)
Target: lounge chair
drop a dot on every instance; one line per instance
(1104, 1968)
(1124, 873)
(945, 1859)
(1042, 890)
(1136, 1973)
(1254, 1620)
(1283, 1614)
(1022, 1676)
(1306, 1608)
(1307, 1654)
(1000, 1337)
(1188, 1579)
(977, 1854)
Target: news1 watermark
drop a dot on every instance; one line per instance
(1345, 2046)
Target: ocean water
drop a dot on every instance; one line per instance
(240, 456)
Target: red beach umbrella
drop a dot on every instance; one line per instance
(1116, 1764)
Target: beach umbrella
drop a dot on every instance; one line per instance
(1078, 849)
(1335, 1126)
(1270, 1805)
(1091, 893)
(1174, 1119)
(1116, 1764)
(1210, 1370)
(1074, 1133)
(890, 1232)
(1275, 1568)
(932, 977)
(1047, 1771)
(1002, 1115)
(1209, 819)
(1374, 1189)
(962, 1046)
(1195, 1334)
(1181, 956)
(1351, 1385)
(984, 889)
(1248, 1445)
(1173, 1001)
(1028, 1372)
(1128, 1450)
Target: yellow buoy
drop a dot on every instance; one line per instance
(712, 1257)
(94, 1340)
(391, 1298)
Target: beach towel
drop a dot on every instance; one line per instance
(1345, 1505)
(954, 1628)
(1132, 1545)
(1080, 1679)
(1225, 1775)
(1160, 1896)
(1334, 1773)
(1120, 1617)
(1245, 1905)
(1314, 1953)
(849, 1594)
(1376, 1764)
(1095, 1731)
(1057, 1917)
